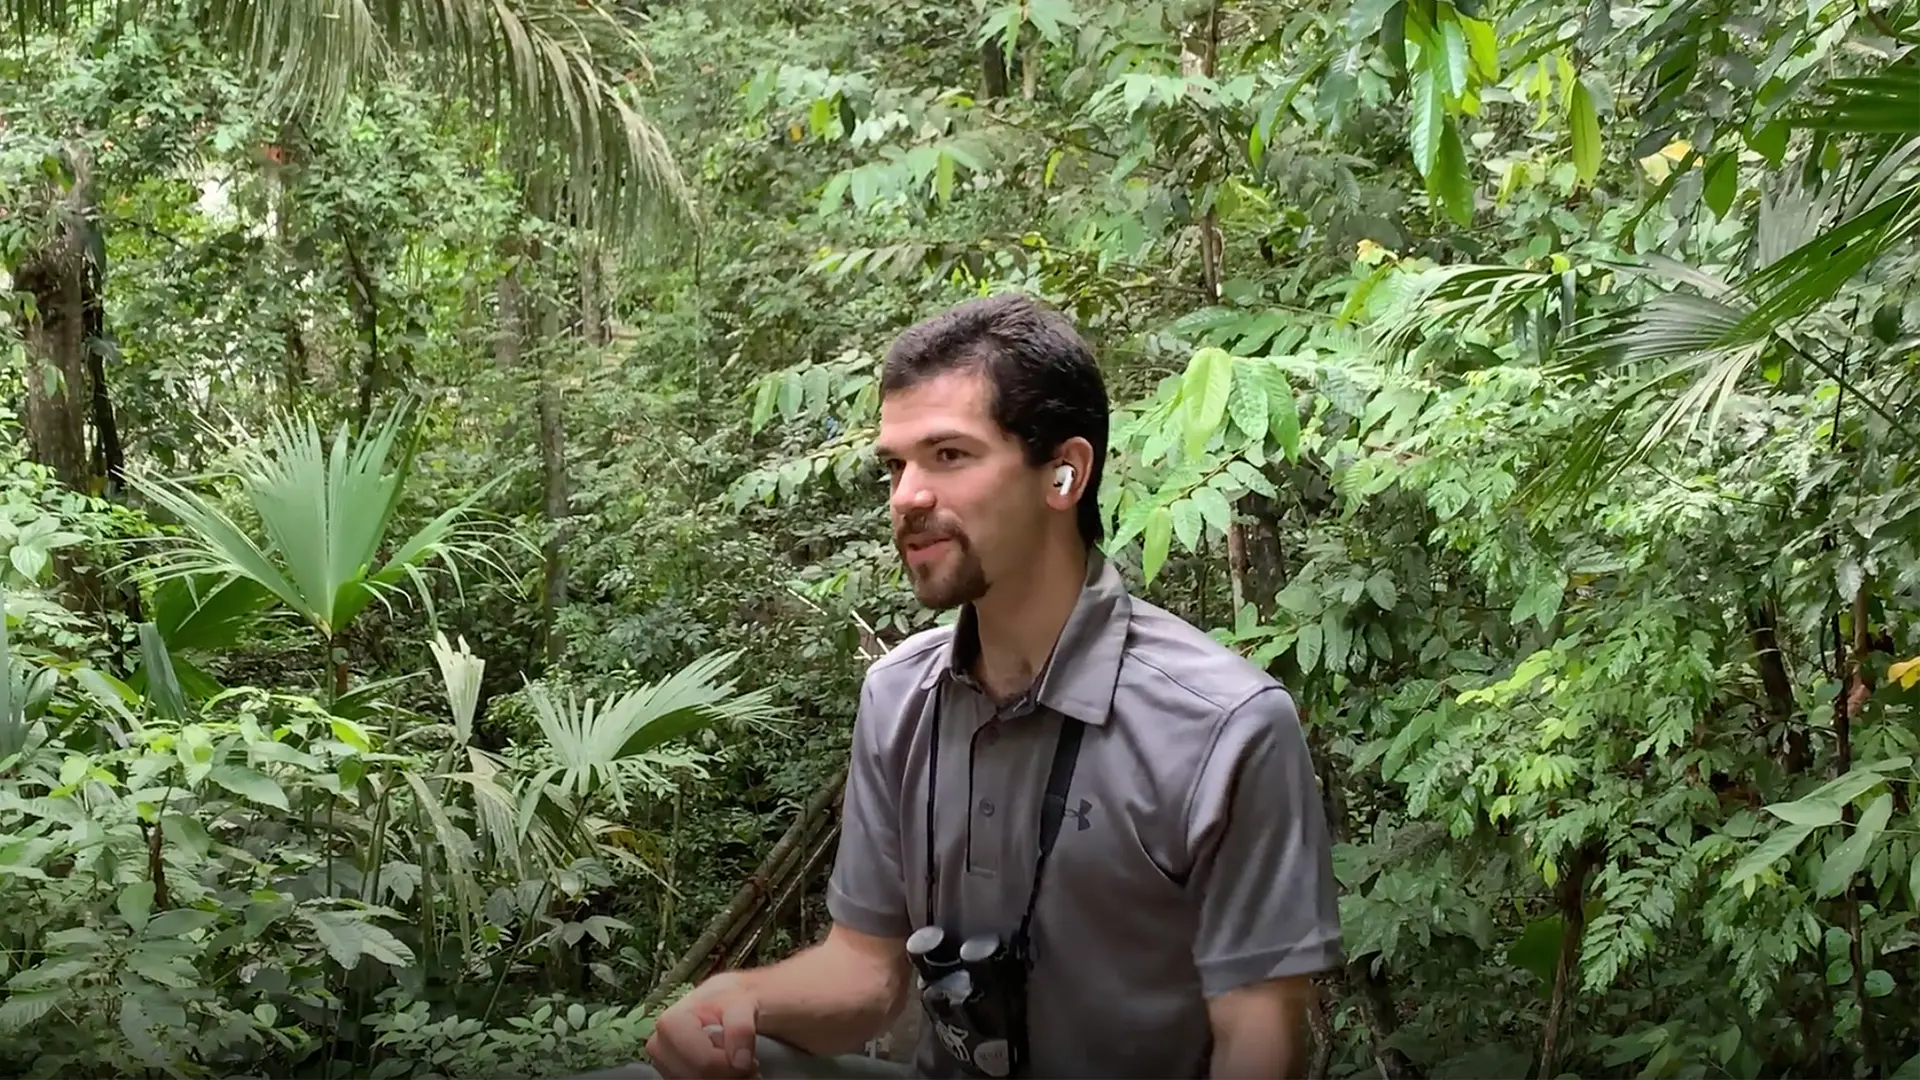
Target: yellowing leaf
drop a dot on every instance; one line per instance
(1906, 673)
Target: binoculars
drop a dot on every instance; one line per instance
(975, 996)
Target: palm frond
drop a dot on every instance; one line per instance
(324, 513)
(1465, 298)
(461, 672)
(592, 741)
(549, 72)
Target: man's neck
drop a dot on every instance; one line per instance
(1020, 622)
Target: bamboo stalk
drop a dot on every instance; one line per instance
(750, 895)
(775, 883)
(795, 886)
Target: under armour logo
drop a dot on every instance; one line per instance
(1080, 815)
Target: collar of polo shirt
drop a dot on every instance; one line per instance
(1079, 676)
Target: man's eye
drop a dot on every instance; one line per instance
(948, 453)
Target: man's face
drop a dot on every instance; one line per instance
(966, 507)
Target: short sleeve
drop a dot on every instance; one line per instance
(867, 890)
(1263, 859)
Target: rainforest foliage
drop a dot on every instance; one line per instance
(440, 548)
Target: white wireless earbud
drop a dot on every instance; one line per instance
(1063, 478)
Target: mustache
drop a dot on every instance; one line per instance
(923, 526)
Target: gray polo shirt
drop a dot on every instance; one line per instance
(1194, 857)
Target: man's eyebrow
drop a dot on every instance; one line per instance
(881, 452)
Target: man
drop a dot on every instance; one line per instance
(1189, 893)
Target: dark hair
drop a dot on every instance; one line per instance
(1046, 384)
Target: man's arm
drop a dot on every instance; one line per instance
(833, 997)
(1260, 1030)
(1263, 874)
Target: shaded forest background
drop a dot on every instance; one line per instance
(440, 552)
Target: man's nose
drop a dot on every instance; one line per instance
(909, 493)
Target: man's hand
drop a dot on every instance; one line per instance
(682, 1047)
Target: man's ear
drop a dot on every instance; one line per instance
(1077, 454)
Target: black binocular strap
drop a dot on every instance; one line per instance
(1066, 754)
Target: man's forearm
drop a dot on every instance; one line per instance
(1279, 1053)
(829, 999)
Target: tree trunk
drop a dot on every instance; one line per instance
(59, 391)
(1572, 897)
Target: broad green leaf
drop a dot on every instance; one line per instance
(1336, 641)
(1426, 117)
(1818, 813)
(1846, 860)
(1453, 43)
(1482, 47)
(1584, 124)
(1186, 524)
(1213, 508)
(1204, 391)
(1381, 591)
(1306, 648)
(1247, 402)
(1770, 851)
(1451, 178)
(1251, 478)
(348, 937)
(1721, 182)
(180, 922)
(249, 784)
(1913, 881)
(1157, 541)
(135, 903)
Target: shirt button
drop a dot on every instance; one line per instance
(986, 808)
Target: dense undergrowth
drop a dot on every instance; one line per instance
(427, 600)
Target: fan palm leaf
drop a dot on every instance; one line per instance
(548, 71)
(322, 515)
(594, 741)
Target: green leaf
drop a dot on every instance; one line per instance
(1482, 47)
(1878, 983)
(163, 686)
(1450, 176)
(1306, 648)
(1381, 591)
(1204, 391)
(1541, 601)
(1186, 524)
(1721, 182)
(1214, 509)
(1247, 402)
(1817, 813)
(348, 937)
(136, 903)
(1770, 851)
(1251, 478)
(1913, 881)
(1425, 117)
(249, 784)
(1846, 860)
(1158, 539)
(1454, 42)
(1585, 125)
(180, 922)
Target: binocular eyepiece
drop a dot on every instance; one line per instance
(974, 994)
